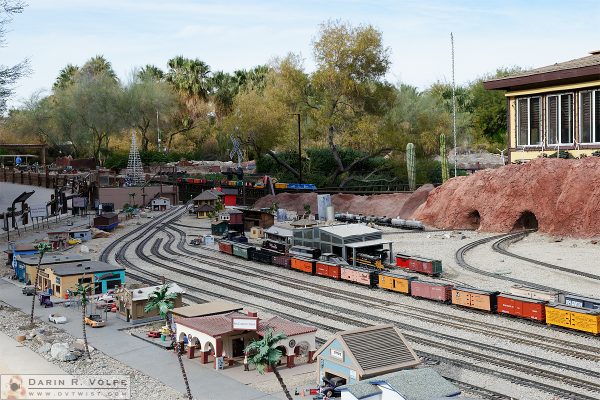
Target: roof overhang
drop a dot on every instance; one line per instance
(368, 243)
(568, 76)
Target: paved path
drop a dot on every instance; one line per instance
(206, 384)
(19, 359)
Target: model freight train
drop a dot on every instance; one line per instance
(383, 221)
(551, 308)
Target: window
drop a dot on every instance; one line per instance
(589, 116)
(560, 119)
(529, 121)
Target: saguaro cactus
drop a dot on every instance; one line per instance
(444, 155)
(410, 166)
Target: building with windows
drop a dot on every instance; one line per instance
(132, 301)
(553, 108)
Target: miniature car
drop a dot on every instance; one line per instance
(196, 242)
(44, 299)
(95, 321)
(28, 290)
(57, 318)
(154, 334)
(110, 295)
(74, 241)
(330, 386)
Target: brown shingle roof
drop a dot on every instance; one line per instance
(279, 324)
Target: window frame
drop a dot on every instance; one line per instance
(593, 134)
(559, 119)
(518, 124)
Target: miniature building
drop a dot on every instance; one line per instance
(553, 108)
(27, 265)
(230, 333)
(107, 221)
(160, 204)
(219, 228)
(16, 250)
(206, 309)
(230, 197)
(83, 234)
(420, 383)
(132, 301)
(279, 234)
(263, 219)
(58, 239)
(231, 215)
(304, 223)
(256, 232)
(205, 211)
(206, 197)
(364, 353)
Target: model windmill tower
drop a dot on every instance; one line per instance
(135, 170)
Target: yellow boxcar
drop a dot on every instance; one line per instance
(580, 319)
(395, 281)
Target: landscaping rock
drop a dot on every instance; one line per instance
(59, 348)
(45, 348)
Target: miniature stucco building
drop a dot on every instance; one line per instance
(132, 301)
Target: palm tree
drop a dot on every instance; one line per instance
(66, 77)
(150, 73)
(163, 301)
(42, 248)
(98, 66)
(264, 354)
(189, 77)
(82, 291)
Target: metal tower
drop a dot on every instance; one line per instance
(135, 170)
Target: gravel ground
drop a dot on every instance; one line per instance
(142, 386)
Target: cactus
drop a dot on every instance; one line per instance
(410, 166)
(444, 155)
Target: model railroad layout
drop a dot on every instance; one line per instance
(341, 314)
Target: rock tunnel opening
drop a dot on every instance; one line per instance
(527, 220)
(473, 220)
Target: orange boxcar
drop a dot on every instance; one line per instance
(521, 307)
(474, 298)
(304, 265)
(329, 270)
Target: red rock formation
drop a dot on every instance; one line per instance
(562, 195)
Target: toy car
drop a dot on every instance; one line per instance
(73, 241)
(44, 299)
(330, 386)
(154, 334)
(57, 318)
(95, 321)
(28, 290)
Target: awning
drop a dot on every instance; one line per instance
(368, 243)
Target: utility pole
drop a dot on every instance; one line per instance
(299, 148)
(453, 104)
(158, 132)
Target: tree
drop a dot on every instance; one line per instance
(66, 77)
(265, 354)
(81, 291)
(42, 248)
(189, 77)
(150, 72)
(163, 301)
(9, 75)
(98, 66)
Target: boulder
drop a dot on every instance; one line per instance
(79, 346)
(61, 352)
(42, 338)
(45, 348)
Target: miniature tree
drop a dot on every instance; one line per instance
(42, 248)
(81, 291)
(410, 166)
(265, 354)
(163, 301)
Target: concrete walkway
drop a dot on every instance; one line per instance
(206, 384)
(18, 359)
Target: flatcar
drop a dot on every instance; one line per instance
(306, 265)
(306, 252)
(576, 318)
(396, 281)
(474, 298)
(358, 274)
(431, 290)
(522, 307)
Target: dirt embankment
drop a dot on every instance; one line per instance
(391, 205)
(560, 197)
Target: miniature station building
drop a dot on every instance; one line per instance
(364, 353)
(19, 249)
(260, 218)
(412, 384)
(131, 301)
(83, 234)
(214, 334)
(556, 107)
(160, 204)
(279, 234)
(345, 240)
(27, 264)
(106, 221)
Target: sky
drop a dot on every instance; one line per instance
(237, 34)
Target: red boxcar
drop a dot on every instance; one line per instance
(329, 270)
(402, 260)
(304, 265)
(431, 290)
(226, 247)
(282, 261)
(521, 307)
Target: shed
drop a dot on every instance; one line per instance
(413, 384)
(205, 210)
(83, 234)
(107, 221)
(364, 353)
(160, 204)
(131, 302)
(58, 239)
(219, 228)
(263, 219)
(230, 196)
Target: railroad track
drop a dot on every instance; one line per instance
(501, 245)
(460, 260)
(145, 230)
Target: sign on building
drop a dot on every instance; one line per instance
(323, 201)
(335, 353)
(245, 324)
(79, 202)
(38, 211)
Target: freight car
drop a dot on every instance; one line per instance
(431, 290)
(419, 264)
(226, 247)
(579, 319)
(306, 252)
(328, 270)
(274, 245)
(306, 265)
(396, 281)
(243, 250)
(358, 274)
(282, 260)
(474, 298)
(522, 307)
(533, 293)
(574, 300)
(262, 256)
